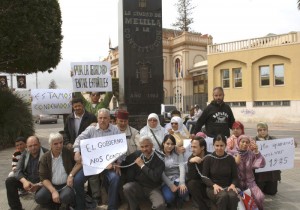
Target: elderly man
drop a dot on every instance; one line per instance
(146, 176)
(111, 177)
(132, 134)
(26, 175)
(77, 122)
(57, 169)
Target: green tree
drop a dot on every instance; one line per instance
(184, 9)
(12, 124)
(30, 35)
(52, 84)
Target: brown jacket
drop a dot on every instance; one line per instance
(45, 164)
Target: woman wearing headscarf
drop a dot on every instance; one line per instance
(247, 161)
(154, 130)
(178, 131)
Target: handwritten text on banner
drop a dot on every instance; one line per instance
(51, 101)
(279, 154)
(91, 76)
(98, 153)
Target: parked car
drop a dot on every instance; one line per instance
(166, 110)
(45, 118)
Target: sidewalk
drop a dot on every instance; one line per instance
(287, 197)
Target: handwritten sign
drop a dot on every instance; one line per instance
(51, 101)
(91, 76)
(98, 153)
(279, 154)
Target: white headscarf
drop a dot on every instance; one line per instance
(177, 120)
(155, 116)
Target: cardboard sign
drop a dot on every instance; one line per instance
(91, 76)
(51, 101)
(98, 153)
(279, 154)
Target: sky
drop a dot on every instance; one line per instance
(88, 25)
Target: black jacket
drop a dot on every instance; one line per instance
(217, 118)
(69, 130)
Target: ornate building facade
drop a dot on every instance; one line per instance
(185, 71)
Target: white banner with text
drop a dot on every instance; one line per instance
(51, 101)
(91, 76)
(279, 154)
(98, 153)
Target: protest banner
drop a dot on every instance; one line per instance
(91, 76)
(279, 154)
(98, 153)
(51, 101)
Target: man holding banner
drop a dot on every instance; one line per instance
(111, 174)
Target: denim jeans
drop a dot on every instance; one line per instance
(111, 183)
(170, 196)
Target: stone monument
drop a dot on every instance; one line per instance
(140, 56)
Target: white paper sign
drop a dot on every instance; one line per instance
(209, 144)
(279, 154)
(51, 101)
(98, 153)
(91, 76)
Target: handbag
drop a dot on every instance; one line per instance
(159, 145)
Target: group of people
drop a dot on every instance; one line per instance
(153, 167)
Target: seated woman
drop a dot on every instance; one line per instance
(220, 176)
(178, 131)
(247, 161)
(174, 174)
(154, 130)
(266, 181)
(195, 184)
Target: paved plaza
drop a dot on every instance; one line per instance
(286, 199)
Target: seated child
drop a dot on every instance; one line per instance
(266, 181)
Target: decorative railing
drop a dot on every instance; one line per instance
(185, 37)
(262, 42)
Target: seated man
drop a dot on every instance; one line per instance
(26, 174)
(111, 176)
(145, 176)
(56, 169)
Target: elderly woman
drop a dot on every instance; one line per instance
(154, 130)
(220, 176)
(178, 131)
(247, 161)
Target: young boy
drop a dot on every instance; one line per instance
(20, 144)
(266, 181)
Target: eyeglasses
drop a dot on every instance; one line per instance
(174, 123)
(153, 120)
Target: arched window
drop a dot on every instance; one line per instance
(177, 67)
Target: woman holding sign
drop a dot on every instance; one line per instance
(247, 161)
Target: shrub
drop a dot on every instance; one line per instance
(16, 118)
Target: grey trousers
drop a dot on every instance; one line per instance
(135, 193)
